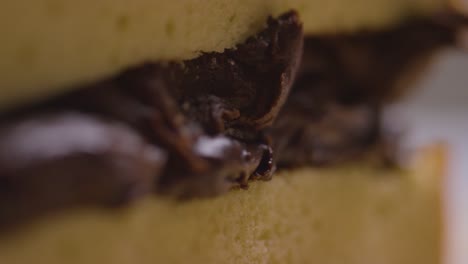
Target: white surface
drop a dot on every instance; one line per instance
(438, 111)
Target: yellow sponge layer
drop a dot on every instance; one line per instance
(47, 46)
(349, 215)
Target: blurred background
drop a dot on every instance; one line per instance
(437, 111)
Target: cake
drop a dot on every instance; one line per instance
(351, 214)
(215, 131)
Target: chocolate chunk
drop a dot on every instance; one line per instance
(254, 78)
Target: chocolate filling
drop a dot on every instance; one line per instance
(189, 129)
(205, 126)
